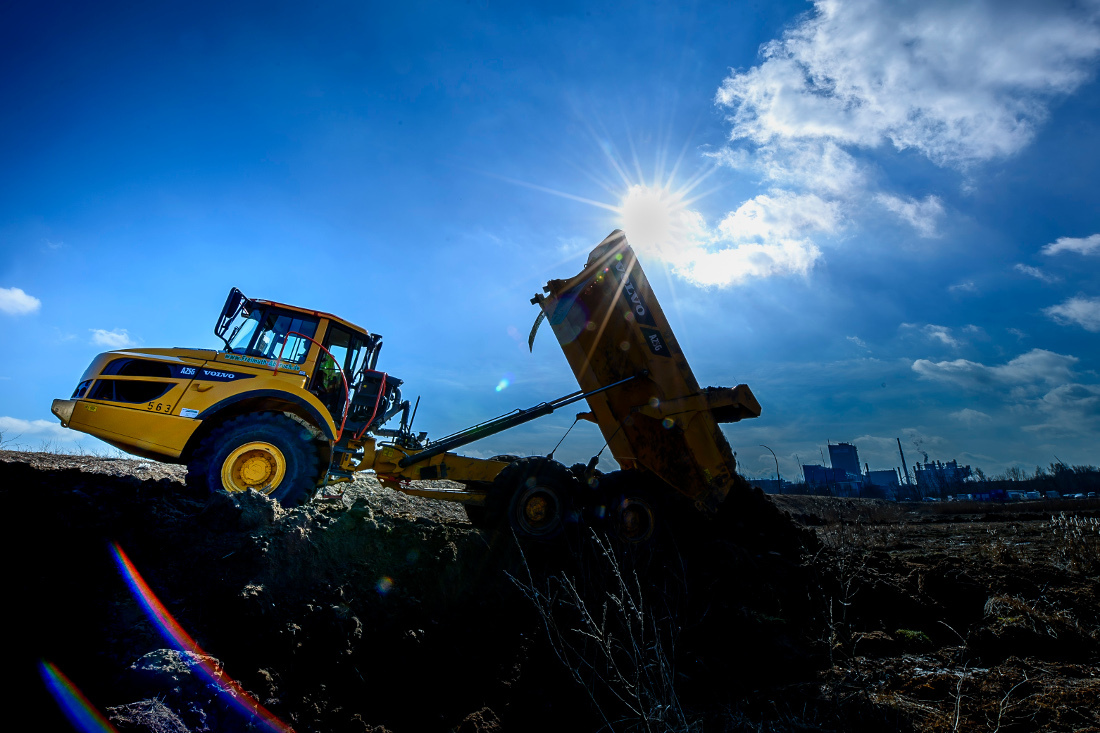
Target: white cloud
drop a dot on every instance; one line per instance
(1037, 368)
(15, 302)
(780, 215)
(1085, 312)
(1036, 273)
(768, 235)
(970, 417)
(118, 338)
(1068, 409)
(14, 428)
(966, 286)
(822, 167)
(857, 341)
(1039, 384)
(1086, 246)
(922, 215)
(957, 82)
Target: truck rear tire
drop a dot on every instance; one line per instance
(264, 451)
(633, 514)
(533, 497)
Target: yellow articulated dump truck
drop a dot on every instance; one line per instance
(294, 401)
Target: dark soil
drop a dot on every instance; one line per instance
(377, 611)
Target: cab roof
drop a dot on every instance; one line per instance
(318, 314)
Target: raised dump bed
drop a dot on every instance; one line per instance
(612, 328)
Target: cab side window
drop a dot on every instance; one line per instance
(346, 349)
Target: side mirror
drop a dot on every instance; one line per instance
(234, 304)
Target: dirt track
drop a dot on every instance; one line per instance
(381, 611)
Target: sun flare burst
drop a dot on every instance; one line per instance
(657, 221)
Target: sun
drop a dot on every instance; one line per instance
(656, 212)
(652, 218)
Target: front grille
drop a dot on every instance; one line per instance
(122, 390)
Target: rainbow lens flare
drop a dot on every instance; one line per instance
(76, 707)
(227, 687)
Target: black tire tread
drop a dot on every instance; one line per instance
(499, 499)
(296, 443)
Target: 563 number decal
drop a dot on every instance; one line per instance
(159, 407)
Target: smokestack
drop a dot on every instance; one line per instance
(903, 466)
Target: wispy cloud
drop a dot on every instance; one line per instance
(857, 341)
(1036, 368)
(118, 338)
(1068, 409)
(931, 331)
(970, 417)
(923, 215)
(1085, 312)
(1086, 246)
(1040, 385)
(1036, 273)
(15, 302)
(965, 286)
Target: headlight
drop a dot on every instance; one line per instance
(64, 410)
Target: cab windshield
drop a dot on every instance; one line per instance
(263, 331)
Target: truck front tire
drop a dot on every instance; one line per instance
(264, 451)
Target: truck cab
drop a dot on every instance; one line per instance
(289, 383)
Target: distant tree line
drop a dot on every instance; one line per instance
(1060, 477)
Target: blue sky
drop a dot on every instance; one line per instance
(883, 217)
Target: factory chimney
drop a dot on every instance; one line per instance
(904, 468)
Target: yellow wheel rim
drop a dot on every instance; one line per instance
(636, 520)
(257, 465)
(537, 509)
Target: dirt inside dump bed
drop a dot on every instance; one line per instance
(378, 611)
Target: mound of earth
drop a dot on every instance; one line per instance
(379, 611)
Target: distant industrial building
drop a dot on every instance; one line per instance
(885, 479)
(882, 484)
(847, 478)
(835, 481)
(939, 479)
(844, 457)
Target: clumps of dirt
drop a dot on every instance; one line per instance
(150, 715)
(169, 680)
(1017, 627)
(373, 610)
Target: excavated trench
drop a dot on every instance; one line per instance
(377, 611)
